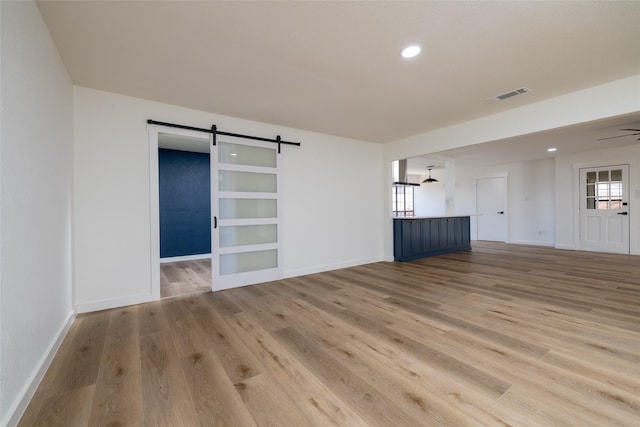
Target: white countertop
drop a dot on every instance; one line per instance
(432, 217)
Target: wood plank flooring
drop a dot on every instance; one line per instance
(185, 277)
(503, 335)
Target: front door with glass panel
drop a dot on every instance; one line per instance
(604, 210)
(246, 234)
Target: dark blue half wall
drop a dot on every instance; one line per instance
(185, 203)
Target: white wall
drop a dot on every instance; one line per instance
(430, 199)
(531, 199)
(36, 197)
(333, 202)
(567, 169)
(333, 209)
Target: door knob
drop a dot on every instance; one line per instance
(501, 212)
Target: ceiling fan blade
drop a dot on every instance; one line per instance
(631, 130)
(619, 136)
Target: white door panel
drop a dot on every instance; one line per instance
(593, 229)
(604, 210)
(246, 234)
(615, 230)
(491, 199)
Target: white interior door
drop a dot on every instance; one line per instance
(246, 233)
(491, 202)
(604, 210)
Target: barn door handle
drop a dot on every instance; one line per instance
(501, 212)
(623, 213)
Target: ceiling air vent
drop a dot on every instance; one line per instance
(506, 95)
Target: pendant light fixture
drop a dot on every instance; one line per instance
(430, 180)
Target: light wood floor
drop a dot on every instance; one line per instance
(502, 335)
(185, 277)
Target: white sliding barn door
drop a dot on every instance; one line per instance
(604, 210)
(246, 233)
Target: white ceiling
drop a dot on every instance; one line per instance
(584, 137)
(335, 67)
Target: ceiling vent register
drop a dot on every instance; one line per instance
(507, 95)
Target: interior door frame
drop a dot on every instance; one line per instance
(154, 198)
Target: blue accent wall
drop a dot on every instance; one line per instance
(185, 203)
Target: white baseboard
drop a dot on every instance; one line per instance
(329, 267)
(26, 394)
(565, 247)
(532, 243)
(87, 307)
(184, 258)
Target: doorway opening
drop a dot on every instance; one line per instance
(184, 200)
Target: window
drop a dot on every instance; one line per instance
(402, 200)
(604, 189)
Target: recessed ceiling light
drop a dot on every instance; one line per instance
(411, 51)
(551, 150)
(234, 154)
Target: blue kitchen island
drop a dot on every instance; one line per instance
(421, 237)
